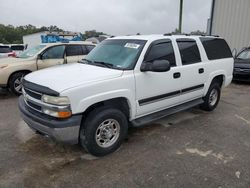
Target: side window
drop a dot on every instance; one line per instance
(90, 47)
(189, 51)
(216, 48)
(56, 52)
(74, 50)
(161, 51)
(84, 50)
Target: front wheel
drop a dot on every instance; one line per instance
(212, 97)
(103, 131)
(15, 83)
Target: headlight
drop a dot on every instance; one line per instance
(60, 106)
(56, 100)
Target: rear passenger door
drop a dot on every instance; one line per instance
(73, 53)
(193, 71)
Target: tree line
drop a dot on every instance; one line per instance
(10, 34)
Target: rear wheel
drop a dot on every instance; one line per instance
(212, 97)
(15, 83)
(103, 131)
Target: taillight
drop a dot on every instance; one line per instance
(12, 54)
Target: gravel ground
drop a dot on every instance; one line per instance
(188, 149)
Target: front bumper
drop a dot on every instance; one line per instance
(65, 131)
(237, 76)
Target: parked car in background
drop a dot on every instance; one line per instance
(12, 70)
(130, 80)
(242, 66)
(6, 51)
(18, 48)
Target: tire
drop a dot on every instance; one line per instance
(103, 124)
(212, 97)
(15, 83)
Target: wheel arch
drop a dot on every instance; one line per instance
(121, 103)
(219, 77)
(24, 71)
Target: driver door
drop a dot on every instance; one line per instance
(52, 56)
(156, 91)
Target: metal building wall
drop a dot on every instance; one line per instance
(231, 20)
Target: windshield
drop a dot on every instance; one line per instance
(116, 53)
(31, 52)
(244, 55)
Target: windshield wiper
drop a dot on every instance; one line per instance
(108, 65)
(84, 61)
(99, 63)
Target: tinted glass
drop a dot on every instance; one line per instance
(122, 54)
(161, 51)
(90, 47)
(17, 47)
(84, 50)
(56, 52)
(74, 50)
(5, 49)
(216, 48)
(189, 51)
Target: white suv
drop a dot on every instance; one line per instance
(130, 80)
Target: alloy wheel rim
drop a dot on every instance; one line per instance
(18, 84)
(107, 133)
(213, 97)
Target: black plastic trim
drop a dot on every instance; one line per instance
(39, 88)
(192, 88)
(169, 95)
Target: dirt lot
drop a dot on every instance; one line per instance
(189, 149)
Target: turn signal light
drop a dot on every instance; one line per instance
(64, 114)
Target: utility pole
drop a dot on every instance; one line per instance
(180, 16)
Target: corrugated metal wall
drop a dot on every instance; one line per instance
(231, 20)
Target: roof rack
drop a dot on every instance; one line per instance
(170, 34)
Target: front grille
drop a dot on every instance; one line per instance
(242, 70)
(33, 94)
(32, 99)
(34, 106)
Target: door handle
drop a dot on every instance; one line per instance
(177, 75)
(201, 70)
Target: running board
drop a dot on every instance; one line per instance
(158, 115)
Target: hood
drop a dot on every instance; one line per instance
(62, 77)
(238, 63)
(11, 60)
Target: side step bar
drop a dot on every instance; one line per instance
(158, 115)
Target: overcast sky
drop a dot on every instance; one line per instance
(115, 17)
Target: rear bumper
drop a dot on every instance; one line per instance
(65, 131)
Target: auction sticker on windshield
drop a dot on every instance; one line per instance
(132, 45)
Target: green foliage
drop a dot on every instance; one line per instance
(198, 32)
(92, 33)
(10, 34)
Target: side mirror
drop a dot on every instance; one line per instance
(156, 66)
(39, 56)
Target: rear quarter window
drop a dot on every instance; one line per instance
(216, 48)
